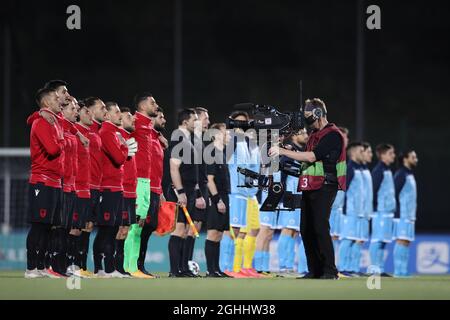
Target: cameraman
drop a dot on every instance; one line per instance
(323, 174)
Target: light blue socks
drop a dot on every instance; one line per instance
(290, 254)
(226, 253)
(401, 257)
(302, 266)
(345, 251)
(282, 250)
(356, 257)
(258, 260)
(374, 250)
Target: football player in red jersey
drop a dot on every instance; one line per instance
(46, 148)
(114, 154)
(156, 174)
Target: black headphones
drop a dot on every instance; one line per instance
(318, 113)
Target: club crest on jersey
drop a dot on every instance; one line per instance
(124, 214)
(43, 213)
(106, 216)
(75, 216)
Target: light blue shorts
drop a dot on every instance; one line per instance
(289, 220)
(268, 219)
(382, 228)
(238, 211)
(362, 229)
(335, 222)
(404, 229)
(348, 225)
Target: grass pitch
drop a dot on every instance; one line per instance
(14, 286)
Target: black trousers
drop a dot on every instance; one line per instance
(315, 230)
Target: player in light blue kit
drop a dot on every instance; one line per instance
(244, 213)
(268, 221)
(362, 224)
(238, 196)
(383, 206)
(289, 221)
(337, 209)
(406, 194)
(352, 209)
(337, 212)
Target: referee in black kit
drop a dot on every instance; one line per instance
(184, 178)
(218, 210)
(323, 173)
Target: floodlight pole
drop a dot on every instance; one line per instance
(360, 25)
(178, 59)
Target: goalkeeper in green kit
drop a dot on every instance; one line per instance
(146, 107)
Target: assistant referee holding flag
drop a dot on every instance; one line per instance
(323, 173)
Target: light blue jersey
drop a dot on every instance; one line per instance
(269, 218)
(354, 202)
(404, 225)
(253, 163)
(290, 219)
(354, 197)
(406, 192)
(384, 203)
(248, 158)
(239, 158)
(337, 210)
(368, 193)
(362, 225)
(385, 193)
(408, 198)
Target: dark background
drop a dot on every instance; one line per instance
(238, 51)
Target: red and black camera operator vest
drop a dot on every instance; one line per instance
(313, 174)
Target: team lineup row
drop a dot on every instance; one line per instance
(95, 164)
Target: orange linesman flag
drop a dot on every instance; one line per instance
(167, 217)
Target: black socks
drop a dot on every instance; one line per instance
(37, 242)
(188, 250)
(209, 253)
(119, 255)
(83, 249)
(212, 253)
(109, 249)
(175, 253)
(97, 246)
(216, 256)
(72, 250)
(58, 250)
(147, 231)
(104, 248)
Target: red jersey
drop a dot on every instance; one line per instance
(47, 152)
(70, 156)
(58, 118)
(142, 134)
(114, 155)
(83, 176)
(129, 172)
(95, 154)
(35, 115)
(156, 171)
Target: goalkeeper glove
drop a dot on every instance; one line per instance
(132, 147)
